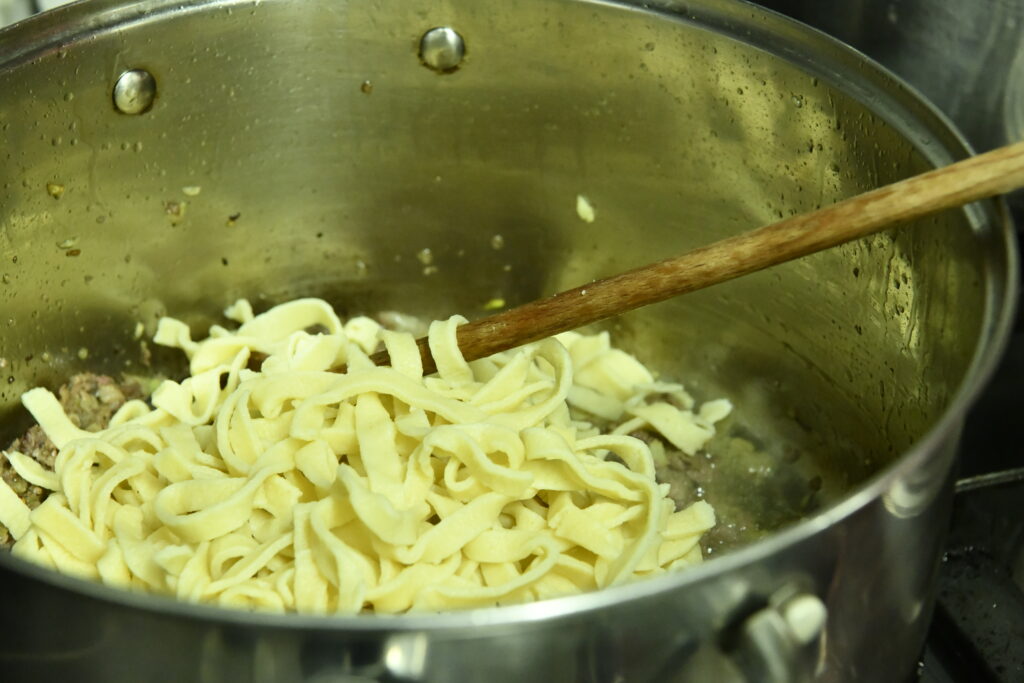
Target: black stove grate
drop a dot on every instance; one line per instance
(978, 630)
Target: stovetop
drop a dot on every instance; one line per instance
(977, 633)
(978, 630)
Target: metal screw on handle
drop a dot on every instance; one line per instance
(442, 49)
(134, 92)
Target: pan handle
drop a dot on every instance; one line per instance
(776, 644)
(979, 481)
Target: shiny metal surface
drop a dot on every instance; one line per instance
(966, 57)
(771, 645)
(14, 10)
(442, 49)
(854, 365)
(134, 91)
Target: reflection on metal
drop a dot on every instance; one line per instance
(774, 643)
(912, 493)
(805, 615)
(134, 91)
(12, 11)
(963, 56)
(405, 656)
(1013, 103)
(442, 49)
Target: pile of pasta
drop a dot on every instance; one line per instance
(374, 490)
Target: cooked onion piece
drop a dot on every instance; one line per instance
(298, 488)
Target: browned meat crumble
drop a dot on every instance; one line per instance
(89, 401)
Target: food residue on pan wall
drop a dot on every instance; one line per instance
(494, 304)
(584, 209)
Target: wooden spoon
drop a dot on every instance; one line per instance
(985, 175)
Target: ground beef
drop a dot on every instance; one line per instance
(89, 401)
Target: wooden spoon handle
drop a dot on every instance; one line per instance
(985, 175)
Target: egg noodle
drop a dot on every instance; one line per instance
(379, 489)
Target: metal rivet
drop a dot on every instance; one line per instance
(442, 49)
(134, 91)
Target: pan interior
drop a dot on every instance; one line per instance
(300, 149)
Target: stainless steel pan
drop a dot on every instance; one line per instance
(294, 148)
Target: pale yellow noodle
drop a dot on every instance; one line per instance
(297, 488)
